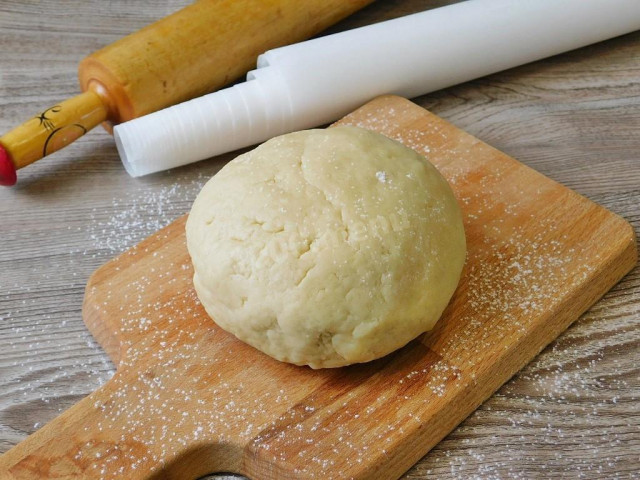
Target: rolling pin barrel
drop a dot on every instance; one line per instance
(200, 48)
(194, 51)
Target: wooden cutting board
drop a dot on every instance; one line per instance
(189, 399)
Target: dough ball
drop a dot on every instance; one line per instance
(326, 247)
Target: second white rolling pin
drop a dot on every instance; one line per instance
(318, 81)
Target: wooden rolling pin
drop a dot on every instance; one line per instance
(194, 51)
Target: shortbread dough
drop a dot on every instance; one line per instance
(326, 247)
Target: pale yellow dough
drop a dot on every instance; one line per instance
(326, 247)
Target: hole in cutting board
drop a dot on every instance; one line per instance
(222, 476)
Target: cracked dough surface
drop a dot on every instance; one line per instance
(326, 247)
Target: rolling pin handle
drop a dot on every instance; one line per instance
(8, 175)
(45, 133)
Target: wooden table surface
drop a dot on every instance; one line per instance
(574, 412)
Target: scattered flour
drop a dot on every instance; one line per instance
(507, 285)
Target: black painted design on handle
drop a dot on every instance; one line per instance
(46, 143)
(46, 121)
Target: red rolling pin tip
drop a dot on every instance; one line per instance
(8, 175)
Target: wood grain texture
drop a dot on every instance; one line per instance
(197, 50)
(572, 413)
(188, 398)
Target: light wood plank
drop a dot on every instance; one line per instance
(573, 117)
(188, 398)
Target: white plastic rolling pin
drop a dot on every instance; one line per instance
(318, 81)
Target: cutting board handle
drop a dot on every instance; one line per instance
(110, 434)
